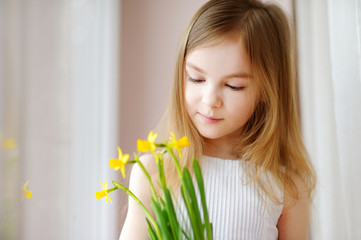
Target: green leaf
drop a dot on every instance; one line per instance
(151, 233)
(199, 178)
(175, 227)
(193, 208)
(161, 219)
(191, 215)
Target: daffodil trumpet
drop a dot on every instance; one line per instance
(103, 193)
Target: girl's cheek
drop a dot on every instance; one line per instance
(190, 94)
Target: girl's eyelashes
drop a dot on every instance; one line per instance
(232, 87)
(195, 80)
(235, 88)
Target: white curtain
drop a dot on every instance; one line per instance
(330, 91)
(59, 77)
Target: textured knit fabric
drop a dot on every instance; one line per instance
(235, 210)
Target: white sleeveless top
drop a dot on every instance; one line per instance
(234, 209)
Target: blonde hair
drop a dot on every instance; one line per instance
(272, 140)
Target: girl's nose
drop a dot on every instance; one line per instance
(211, 97)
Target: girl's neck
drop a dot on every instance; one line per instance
(219, 149)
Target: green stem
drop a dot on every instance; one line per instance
(176, 162)
(160, 145)
(131, 162)
(111, 189)
(161, 172)
(147, 175)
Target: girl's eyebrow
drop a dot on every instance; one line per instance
(233, 75)
(198, 69)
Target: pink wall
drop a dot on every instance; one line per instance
(150, 34)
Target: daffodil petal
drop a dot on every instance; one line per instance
(172, 137)
(125, 158)
(110, 199)
(120, 154)
(179, 153)
(107, 197)
(152, 136)
(26, 184)
(122, 170)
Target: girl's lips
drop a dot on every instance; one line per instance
(209, 120)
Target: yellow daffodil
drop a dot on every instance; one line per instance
(120, 162)
(104, 192)
(144, 146)
(27, 193)
(178, 144)
(9, 143)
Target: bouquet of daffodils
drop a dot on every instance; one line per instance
(166, 224)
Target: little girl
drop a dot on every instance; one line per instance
(234, 97)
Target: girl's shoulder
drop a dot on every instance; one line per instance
(138, 182)
(293, 223)
(134, 226)
(149, 162)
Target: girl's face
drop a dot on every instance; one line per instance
(220, 93)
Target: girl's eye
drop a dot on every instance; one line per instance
(195, 80)
(234, 88)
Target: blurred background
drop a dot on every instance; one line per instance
(80, 77)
